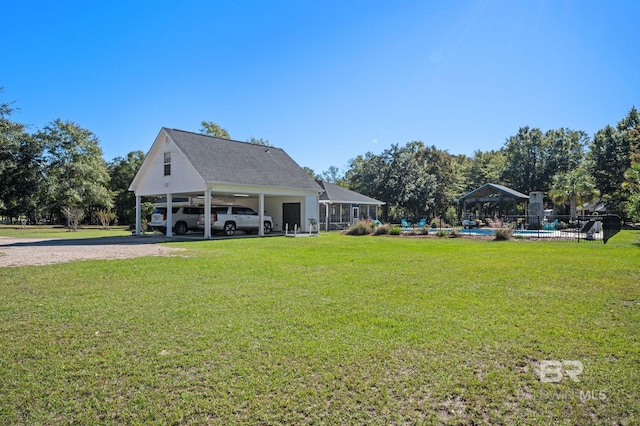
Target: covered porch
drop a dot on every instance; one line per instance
(340, 207)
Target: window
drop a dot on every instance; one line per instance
(244, 211)
(219, 210)
(194, 210)
(167, 163)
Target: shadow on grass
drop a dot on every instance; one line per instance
(126, 240)
(95, 241)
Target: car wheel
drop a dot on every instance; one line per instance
(230, 229)
(267, 227)
(181, 228)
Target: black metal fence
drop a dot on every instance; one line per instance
(597, 228)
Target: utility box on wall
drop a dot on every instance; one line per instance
(536, 208)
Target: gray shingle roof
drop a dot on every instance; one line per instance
(489, 188)
(338, 194)
(241, 163)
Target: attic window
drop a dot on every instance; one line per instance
(167, 163)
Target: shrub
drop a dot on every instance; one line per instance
(360, 228)
(74, 216)
(451, 216)
(434, 224)
(105, 217)
(503, 234)
(441, 233)
(381, 229)
(455, 233)
(395, 230)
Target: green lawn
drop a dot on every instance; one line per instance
(333, 330)
(40, 231)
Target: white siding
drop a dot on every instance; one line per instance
(183, 179)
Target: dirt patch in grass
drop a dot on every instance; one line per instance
(36, 251)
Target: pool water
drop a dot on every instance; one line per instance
(521, 232)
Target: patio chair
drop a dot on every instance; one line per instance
(550, 226)
(406, 226)
(422, 223)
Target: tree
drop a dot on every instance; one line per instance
(257, 141)
(609, 157)
(121, 174)
(20, 167)
(573, 187)
(451, 216)
(414, 188)
(212, 129)
(312, 174)
(533, 158)
(74, 216)
(612, 153)
(525, 161)
(106, 217)
(485, 167)
(632, 185)
(400, 176)
(441, 165)
(565, 150)
(630, 126)
(75, 172)
(366, 175)
(333, 175)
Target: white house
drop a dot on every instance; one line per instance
(210, 171)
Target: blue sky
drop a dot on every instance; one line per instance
(325, 80)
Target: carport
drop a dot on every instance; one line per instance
(209, 171)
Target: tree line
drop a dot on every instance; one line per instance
(57, 174)
(569, 166)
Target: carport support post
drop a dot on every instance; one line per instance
(169, 222)
(207, 214)
(261, 214)
(138, 213)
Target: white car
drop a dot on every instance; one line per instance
(230, 219)
(184, 218)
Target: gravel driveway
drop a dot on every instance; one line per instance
(32, 251)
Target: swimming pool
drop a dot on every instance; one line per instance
(520, 232)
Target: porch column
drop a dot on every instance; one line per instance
(138, 214)
(169, 215)
(261, 214)
(207, 214)
(327, 207)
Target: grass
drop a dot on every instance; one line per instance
(42, 231)
(328, 330)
